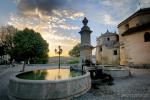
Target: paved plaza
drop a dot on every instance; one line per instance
(136, 87)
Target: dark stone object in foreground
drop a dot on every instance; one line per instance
(99, 77)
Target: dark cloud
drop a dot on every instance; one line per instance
(45, 6)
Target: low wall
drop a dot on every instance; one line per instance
(47, 89)
(139, 66)
(117, 72)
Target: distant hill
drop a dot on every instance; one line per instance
(63, 59)
(66, 59)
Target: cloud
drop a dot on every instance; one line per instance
(76, 15)
(51, 27)
(68, 27)
(50, 18)
(44, 6)
(58, 20)
(108, 20)
(120, 9)
(105, 18)
(112, 12)
(70, 14)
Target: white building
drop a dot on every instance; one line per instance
(107, 49)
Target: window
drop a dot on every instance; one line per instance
(100, 49)
(146, 37)
(122, 47)
(137, 24)
(117, 37)
(108, 39)
(127, 26)
(115, 52)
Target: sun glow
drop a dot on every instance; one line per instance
(55, 30)
(57, 74)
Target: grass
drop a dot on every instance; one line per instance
(64, 60)
(73, 61)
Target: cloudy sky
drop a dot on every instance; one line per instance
(59, 21)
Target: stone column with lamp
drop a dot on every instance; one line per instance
(85, 47)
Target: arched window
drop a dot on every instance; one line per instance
(146, 37)
(100, 50)
(117, 37)
(115, 52)
(127, 26)
(108, 39)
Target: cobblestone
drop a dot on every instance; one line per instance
(136, 87)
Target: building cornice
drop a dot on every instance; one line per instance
(136, 29)
(138, 13)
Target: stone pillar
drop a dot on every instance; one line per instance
(85, 47)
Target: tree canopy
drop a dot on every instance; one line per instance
(75, 52)
(29, 45)
(6, 39)
(2, 50)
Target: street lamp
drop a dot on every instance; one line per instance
(59, 52)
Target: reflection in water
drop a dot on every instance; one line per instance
(57, 74)
(52, 74)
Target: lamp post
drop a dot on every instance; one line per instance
(59, 52)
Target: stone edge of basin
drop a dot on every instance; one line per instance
(18, 80)
(44, 81)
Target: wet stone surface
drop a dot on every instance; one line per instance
(136, 87)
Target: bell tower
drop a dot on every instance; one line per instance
(85, 47)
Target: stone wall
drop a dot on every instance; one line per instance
(134, 50)
(20, 89)
(86, 54)
(107, 56)
(106, 45)
(138, 20)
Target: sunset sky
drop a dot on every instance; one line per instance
(59, 21)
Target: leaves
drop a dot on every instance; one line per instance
(75, 52)
(29, 44)
(6, 39)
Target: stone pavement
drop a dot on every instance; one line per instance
(136, 87)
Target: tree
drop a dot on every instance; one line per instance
(29, 45)
(2, 50)
(75, 52)
(6, 40)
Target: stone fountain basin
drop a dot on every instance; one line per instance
(117, 72)
(21, 89)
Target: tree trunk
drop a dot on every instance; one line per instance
(59, 62)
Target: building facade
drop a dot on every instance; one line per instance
(107, 49)
(134, 36)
